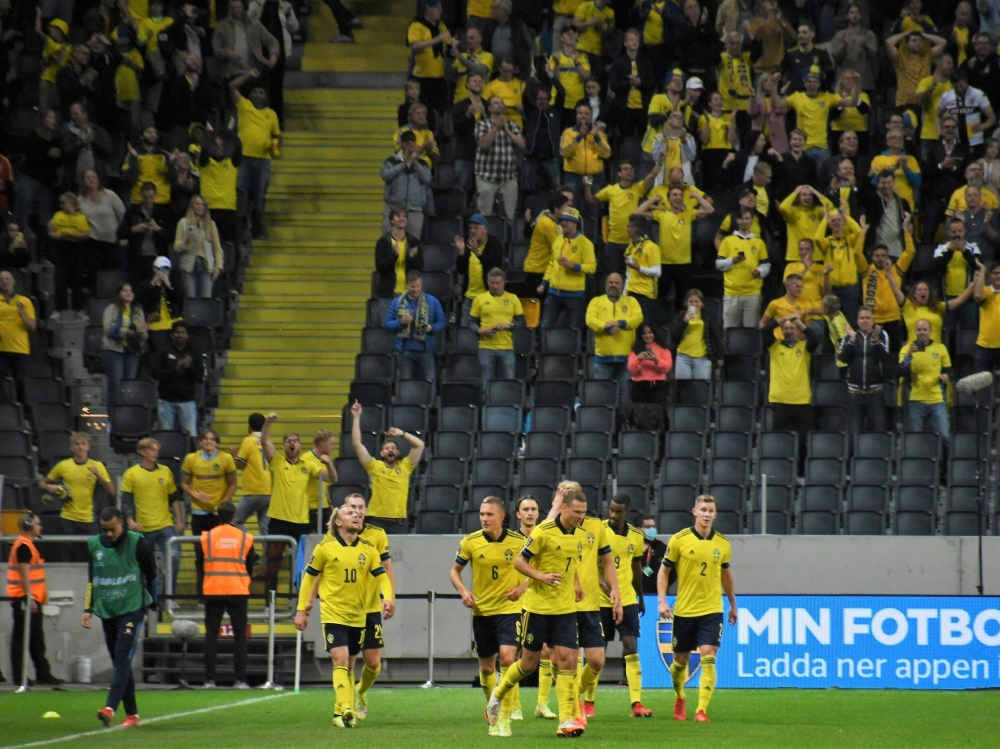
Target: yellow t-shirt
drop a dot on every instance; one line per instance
(812, 283)
(482, 57)
(989, 319)
(493, 572)
(390, 488)
(925, 372)
(343, 590)
(491, 310)
(790, 383)
(739, 280)
(256, 477)
(511, 93)
(289, 484)
(69, 223)
(928, 118)
(312, 488)
(718, 132)
(647, 253)
(149, 31)
(622, 203)
(127, 79)
(256, 129)
(426, 64)
(652, 30)
(552, 548)
(540, 249)
(218, 184)
(735, 81)
(913, 313)
(580, 251)
(591, 38)
(813, 115)
(13, 332)
(596, 543)
(209, 474)
(910, 69)
(699, 563)
(378, 538)
(475, 286)
(569, 76)
(479, 9)
(57, 55)
(624, 548)
(151, 491)
(851, 119)
(675, 235)
(693, 341)
(902, 187)
(81, 484)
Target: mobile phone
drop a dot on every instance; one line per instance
(741, 253)
(691, 310)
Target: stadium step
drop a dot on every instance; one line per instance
(302, 309)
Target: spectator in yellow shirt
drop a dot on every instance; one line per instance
(261, 136)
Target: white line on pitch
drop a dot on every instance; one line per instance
(146, 721)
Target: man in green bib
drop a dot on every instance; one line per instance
(121, 585)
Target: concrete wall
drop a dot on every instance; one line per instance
(859, 565)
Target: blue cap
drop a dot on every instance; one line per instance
(478, 218)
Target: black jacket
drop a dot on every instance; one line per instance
(941, 183)
(149, 295)
(618, 75)
(866, 358)
(179, 379)
(491, 257)
(874, 210)
(385, 264)
(715, 348)
(542, 130)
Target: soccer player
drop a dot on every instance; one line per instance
(627, 552)
(597, 567)
(526, 511)
(551, 556)
(700, 556)
(495, 597)
(121, 584)
(344, 560)
(374, 641)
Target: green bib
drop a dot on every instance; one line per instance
(117, 582)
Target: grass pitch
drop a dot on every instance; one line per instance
(453, 717)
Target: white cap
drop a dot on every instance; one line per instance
(162, 262)
(695, 82)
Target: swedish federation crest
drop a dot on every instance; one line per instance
(665, 644)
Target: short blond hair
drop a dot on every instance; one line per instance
(146, 442)
(704, 499)
(572, 491)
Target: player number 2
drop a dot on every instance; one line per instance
(704, 566)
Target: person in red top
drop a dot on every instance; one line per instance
(229, 558)
(26, 573)
(650, 362)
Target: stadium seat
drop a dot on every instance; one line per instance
(554, 393)
(540, 444)
(688, 419)
(204, 312)
(564, 341)
(497, 445)
(138, 393)
(557, 367)
(681, 444)
(916, 499)
(962, 524)
(463, 367)
(414, 393)
(693, 392)
(644, 445)
(742, 342)
(731, 471)
(350, 471)
(919, 472)
(598, 392)
(505, 393)
(501, 419)
(458, 418)
(374, 367)
(461, 393)
(779, 471)
(874, 444)
(451, 471)
(129, 424)
(870, 471)
(585, 470)
(681, 471)
(433, 522)
(738, 393)
(463, 341)
(490, 471)
(370, 392)
(441, 497)
(914, 524)
(590, 444)
(778, 445)
(452, 444)
(550, 419)
(634, 471)
(825, 471)
(729, 445)
(438, 257)
(736, 419)
(372, 418)
(596, 418)
(540, 471)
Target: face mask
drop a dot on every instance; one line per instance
(649, 533)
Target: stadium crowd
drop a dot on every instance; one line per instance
(823, 172)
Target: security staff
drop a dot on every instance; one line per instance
(26, 588)
(229, 558)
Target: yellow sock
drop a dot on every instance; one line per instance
(368, 677)
(633, 673)
(546, 678)
(566, 694)
(516, 697)
(343, 693)
(507, 704)
(591, 693)
(512, 676)
(679, 676)
(588, 680)
(488, 681)
(707, 684)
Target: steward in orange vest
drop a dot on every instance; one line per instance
(229, 558)
(26, 575)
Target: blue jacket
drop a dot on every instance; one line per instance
(435, 316)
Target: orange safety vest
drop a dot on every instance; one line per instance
(36, 572)
(226, 549)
